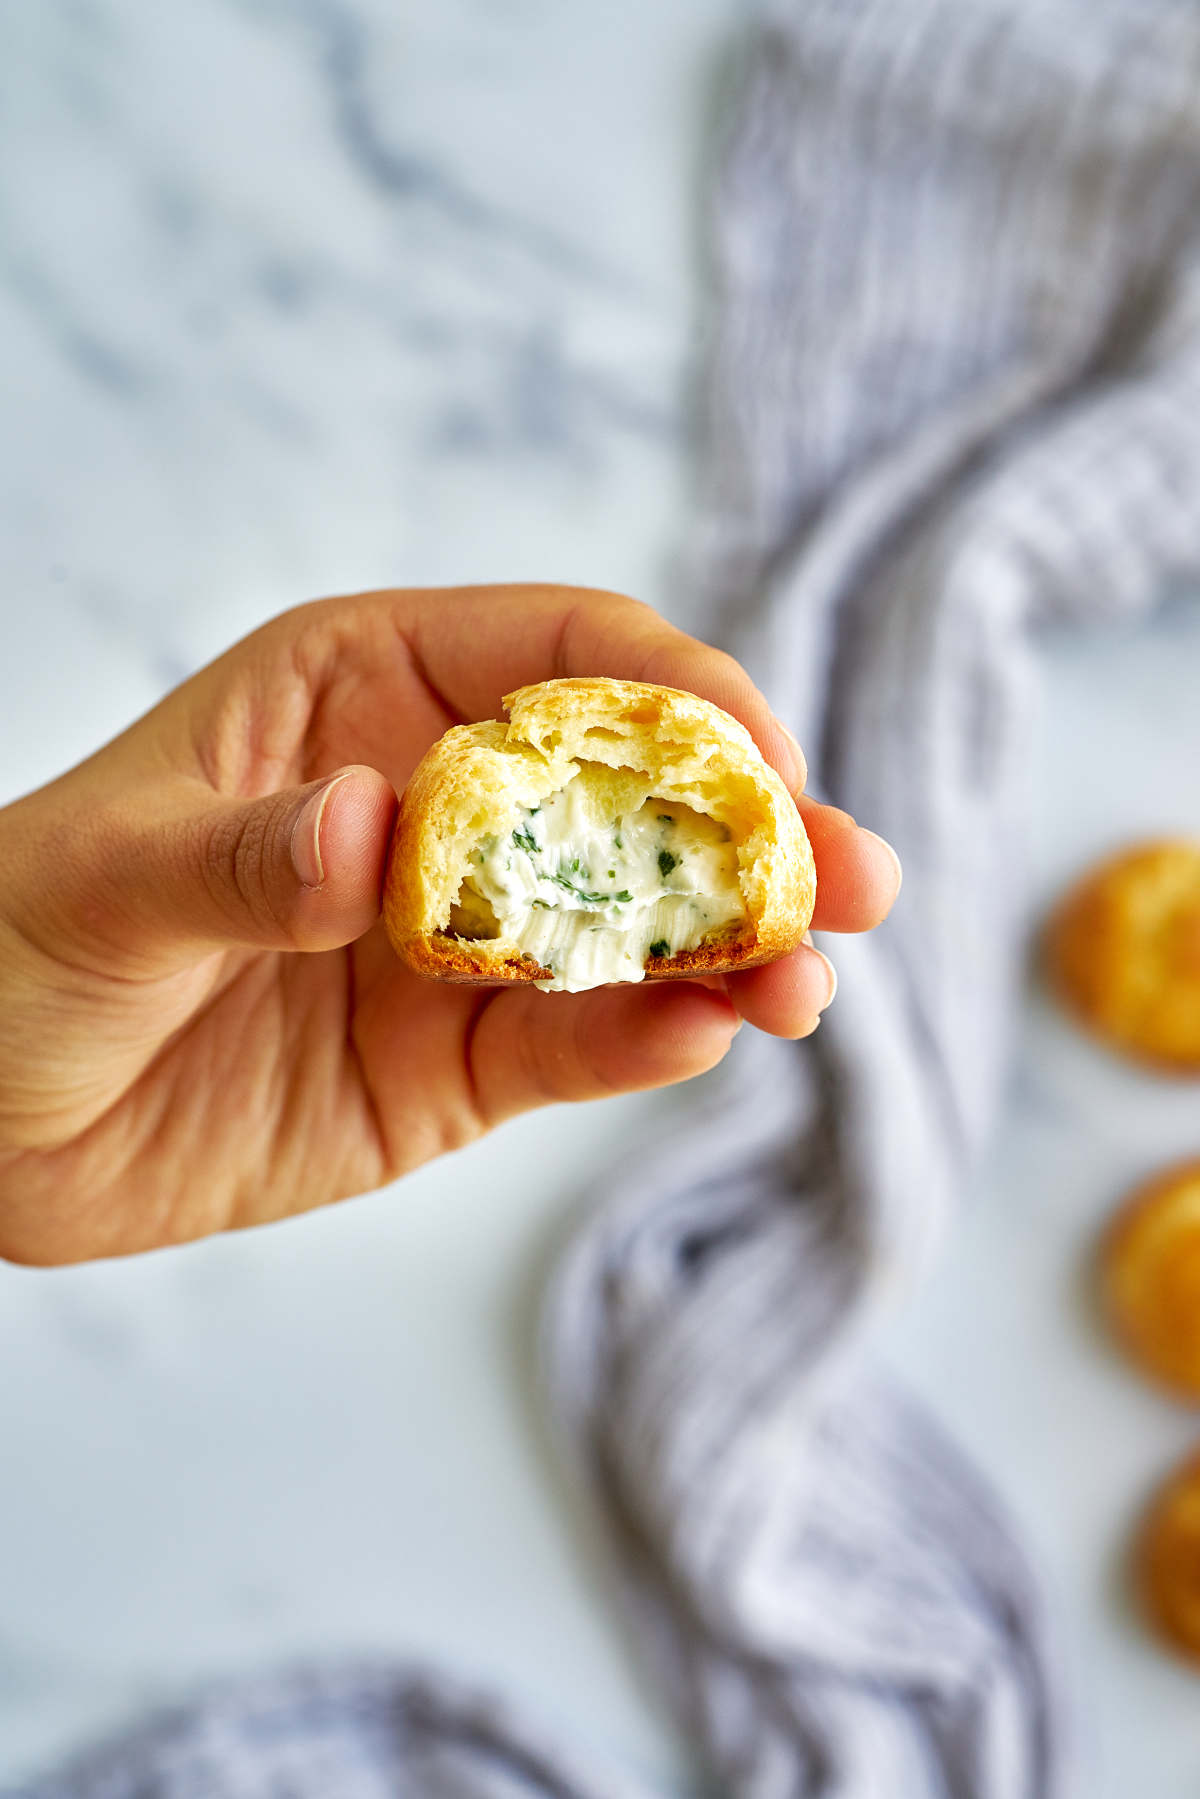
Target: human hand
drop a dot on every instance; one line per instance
(202, 1024)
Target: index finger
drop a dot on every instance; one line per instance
(475, 644)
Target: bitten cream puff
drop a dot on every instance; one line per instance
(609, 831)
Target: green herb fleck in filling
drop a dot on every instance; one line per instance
(592, 899)
(666, 862)
(525, 840)
(660, 948)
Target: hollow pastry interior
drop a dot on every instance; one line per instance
(599, 880)
(610, 831)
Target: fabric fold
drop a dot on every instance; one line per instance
(954, 397)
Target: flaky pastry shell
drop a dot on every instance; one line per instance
(478, 778)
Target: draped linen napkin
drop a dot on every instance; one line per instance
(955, 393)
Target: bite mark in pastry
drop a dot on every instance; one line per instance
(1150, 1276)
(1123, 951)
(610, 831)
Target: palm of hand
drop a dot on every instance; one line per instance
(252, 1083)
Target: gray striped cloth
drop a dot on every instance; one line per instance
(956, 392)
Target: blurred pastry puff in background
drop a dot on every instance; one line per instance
(1167, 1559)
(1123, 953)
(1150, 1278)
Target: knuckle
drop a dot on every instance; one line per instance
(598, 623)
(675, 659)
(239, 862)
(566, 1064)
(548, 1071)
(535, 1070)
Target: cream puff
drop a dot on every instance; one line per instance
(609, 831)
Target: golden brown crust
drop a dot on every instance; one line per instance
(1123, 953)
(1150, 1278)
(477, 777)
(449, 959)
(1167, 1559)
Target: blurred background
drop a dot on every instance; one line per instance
(302, 297)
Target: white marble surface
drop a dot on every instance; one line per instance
(303, 295)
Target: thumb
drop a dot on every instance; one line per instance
(301, 869)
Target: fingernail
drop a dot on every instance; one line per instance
(306, 834)
(830, 970)
(891, 852)
(720, 986)
(739, 1021)
(801, 774)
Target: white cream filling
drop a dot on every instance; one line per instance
(593, 895)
